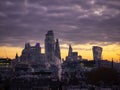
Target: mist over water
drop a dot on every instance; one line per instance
(56, 63)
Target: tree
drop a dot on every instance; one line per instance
(103, 75)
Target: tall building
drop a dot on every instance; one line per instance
(49, 45)
(52, 51)
(72, 55)
(57, 49)
(31, 53)
(70, 51)
(97, 53)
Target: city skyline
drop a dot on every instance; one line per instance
(81, 23)
(53, 39)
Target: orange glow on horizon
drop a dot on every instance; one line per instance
(109, 52)
(10, 52)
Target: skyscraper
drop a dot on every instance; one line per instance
(57, 49)
(97, 53)
(70, 51)
(49, 45)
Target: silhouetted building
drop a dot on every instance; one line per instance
(69, 57)
(97, 55)
(52, 48)
(70, 51)
(49, 45)
(57, 49)
(74, 55)
(112, 64)
(16, 57)
(31, 52)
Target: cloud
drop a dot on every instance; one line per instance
(73, 21)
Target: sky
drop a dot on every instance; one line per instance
(81, 23)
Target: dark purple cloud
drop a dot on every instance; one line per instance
(76, 21)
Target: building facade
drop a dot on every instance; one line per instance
(49, 45)
(57, 49)
(97, 53)
(31, 53)
(52, 48)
